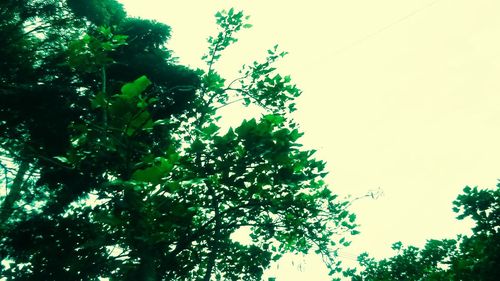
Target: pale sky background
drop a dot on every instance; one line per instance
(398, 94)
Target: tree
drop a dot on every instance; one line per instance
(136, 181)
(476, 257)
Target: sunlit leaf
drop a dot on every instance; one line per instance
(135, 88)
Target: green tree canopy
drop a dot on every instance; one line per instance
(475, 257)
(116, 167)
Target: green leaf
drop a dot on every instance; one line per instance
(154, 174)
(106, 31)
(197, 146)
(211, 129)
(108, 219)
(135, 88)
(140, 121)
(247, 101)
(172, 186)
(86, 39)
(246, 127)
(120, 40)
(98, 101)
(62, 159)
(107, 46)
(161, 122)
(352, 217)
(274, 119)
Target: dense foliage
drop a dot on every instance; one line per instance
(115, 165)
(475, 257)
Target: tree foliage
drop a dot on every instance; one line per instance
(475, 257)
(116, 167)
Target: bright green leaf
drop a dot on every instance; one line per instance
(135, 88)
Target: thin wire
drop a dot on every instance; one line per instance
(380, 30)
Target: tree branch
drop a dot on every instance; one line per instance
(14, 193)
(214, 244)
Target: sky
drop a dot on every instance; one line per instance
(398, 95)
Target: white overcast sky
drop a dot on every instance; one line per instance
(398, 94)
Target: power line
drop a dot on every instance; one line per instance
(380, 30)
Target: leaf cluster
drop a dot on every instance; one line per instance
(474, 257)
(131, 177)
